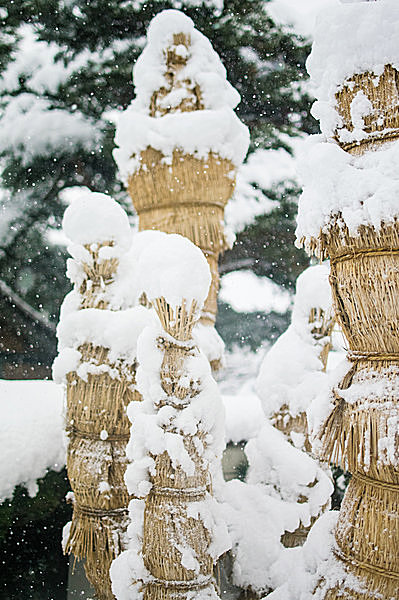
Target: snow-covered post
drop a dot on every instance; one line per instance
(180, 142)
(292, 372)
(349, 212)
(97, 362)
(176, 438)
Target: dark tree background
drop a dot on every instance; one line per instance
(96, 45)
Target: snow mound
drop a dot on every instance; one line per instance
(95, 218)
(343, 47)
(31, 433)
(174, 268)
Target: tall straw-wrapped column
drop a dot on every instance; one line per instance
(97, 363)
(176, 442)
(180, 142)
(349, 213)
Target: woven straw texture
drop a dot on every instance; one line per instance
(98, 430)
(187, 197)
(365, 286)
(167, 525)
(382, 124)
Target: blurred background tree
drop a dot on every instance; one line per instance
(66, 70)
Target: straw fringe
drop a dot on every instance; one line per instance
(365, 286)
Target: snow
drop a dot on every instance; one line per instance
(291, 372)
(246, 292)
(363, 189)
(301, 570)
(244, 415)
(289, 474)
(215, 129)
(299, 15)
(174, 268)
(31, 433)
(31, 126)
(116, 330)
(94, 218)
(342, 48)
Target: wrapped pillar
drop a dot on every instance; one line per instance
(349, 213)
(176, 533)
(180, 142)
(97, 364)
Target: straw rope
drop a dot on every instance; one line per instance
(370, 143)
(385, 485)
(354, 356)
(183, 585)
(361, 252)
(365, 565)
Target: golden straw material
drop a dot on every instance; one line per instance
(367, 538)
(361, 435)
(99, 274)
(365, 287)
(97, 537)
(98, 405)
(98, 429)
(187, 197)
(169, 527)
(382, 124)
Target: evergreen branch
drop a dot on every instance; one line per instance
(26, 308)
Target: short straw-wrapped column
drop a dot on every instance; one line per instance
(293, 371)
(180, 142)
(349, 212)
(97, 362)
(176, 442)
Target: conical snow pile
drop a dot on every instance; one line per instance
(176, 533)
(97, 362)
(180, 142)
(349, 212)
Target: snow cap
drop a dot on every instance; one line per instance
(312, 291)
(202, 64)
(350, 39)
(96, 218)
(174, 268)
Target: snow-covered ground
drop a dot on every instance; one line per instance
(31, 433)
